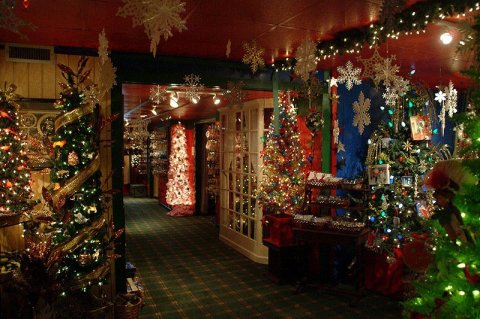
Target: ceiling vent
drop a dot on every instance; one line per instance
(29, 54)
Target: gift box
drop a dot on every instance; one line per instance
(278, 230)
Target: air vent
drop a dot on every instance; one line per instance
(29, 54)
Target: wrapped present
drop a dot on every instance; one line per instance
(278, 230)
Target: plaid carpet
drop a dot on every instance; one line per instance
(188, 273)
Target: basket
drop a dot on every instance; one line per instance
(130, 310)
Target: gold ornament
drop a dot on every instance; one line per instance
(72, 158)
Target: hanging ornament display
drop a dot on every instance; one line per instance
(369, 65)
(451, 99)
(158, 17)
(361, 117)
(253, 56)
(390, 97)
(193, 85)
(440, 97)
(306, 59)
(349, 75)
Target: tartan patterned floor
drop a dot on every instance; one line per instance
(189, 273)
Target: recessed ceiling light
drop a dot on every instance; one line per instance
(446, 38)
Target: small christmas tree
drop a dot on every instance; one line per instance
(179, 185)
(282, 188)
(451, 286)
(15, 190)
(396, 166)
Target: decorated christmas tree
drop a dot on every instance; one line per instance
(15, 190)
(451, 286)
(282, 188)
(399, 154)
(66, 249)
(179, 185)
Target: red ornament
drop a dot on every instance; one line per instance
(473, 279)
(401, 159)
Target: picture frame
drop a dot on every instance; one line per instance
(421, 128)
(379, 174)
(407, 181)
(422, 209)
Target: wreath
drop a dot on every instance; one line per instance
(314, 121)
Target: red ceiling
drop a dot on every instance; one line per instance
(279, 26)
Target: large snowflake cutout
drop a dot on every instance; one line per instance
(369, 65)
(306, 59)
(107, 70)
(192, 83)
(158, 94)
(349, 75)
(386, 72)
(451, 99)
(253, 56)
(361, 117)
(103, 47)
(234, 93)
(158, 17)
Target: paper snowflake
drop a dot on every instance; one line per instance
(390, 97)
(440, 97)
(157, 94)
(361, 117)
(158, 17)
(386, 72)
(369, 65)
(192, 82)
(306, 59)
(349, 75)
(400, 85)
(108, 76)
(451, 99)
(234, 93)
(253, 56)
(102, 47)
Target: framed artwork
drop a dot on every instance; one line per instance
(421, 128)
(379, 174)
(422, 208)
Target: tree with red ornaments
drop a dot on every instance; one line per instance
(15, 190)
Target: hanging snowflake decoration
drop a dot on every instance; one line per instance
(158, 17)
(306, 59)
(193, 85)
(336, 132)
(340, 147)
(361, 117)
(451, 99)
(390, 97)
(386, 72)
(157, 94)
(10, 22)
(349, 75)
(253, 56)
(102, 47)
(369, 65)
(107, 70)
(440, 97)
(234, 93)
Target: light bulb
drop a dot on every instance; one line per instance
(446, 38)
(216, 99)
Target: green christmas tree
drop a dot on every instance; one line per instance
(282, 187)
(67, 249)
(396, 166)
(15, 190)
(451, 286)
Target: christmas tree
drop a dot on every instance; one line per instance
(179, 186)
(396, 166)
(67, 248)
(282, 188)
(451, 286)
(15, 194)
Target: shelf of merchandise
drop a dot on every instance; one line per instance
(241, 144)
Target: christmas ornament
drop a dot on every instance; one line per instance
(407, 146)
(157, 94)
(158, 17)
(103, 47)
(253, 56)
(369, 65)
(390, 97)
(314, 121)
(440, 97)
(193, 85)
(361, 117)
(72, 159)
(349, 75)
(335, 132)
(80, 219)
(107, 70)
(306, 59)
(386, 72)
(333, 82)
(234, 93)
(451, 99)
(340, 147)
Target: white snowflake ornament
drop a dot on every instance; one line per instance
(386, 72)
(158, 17)
(451, 99)
(306, 59)
(361, 117)
(390, 97)
(253, 56)
(192, 82)
(440, 97)
(349, 75)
